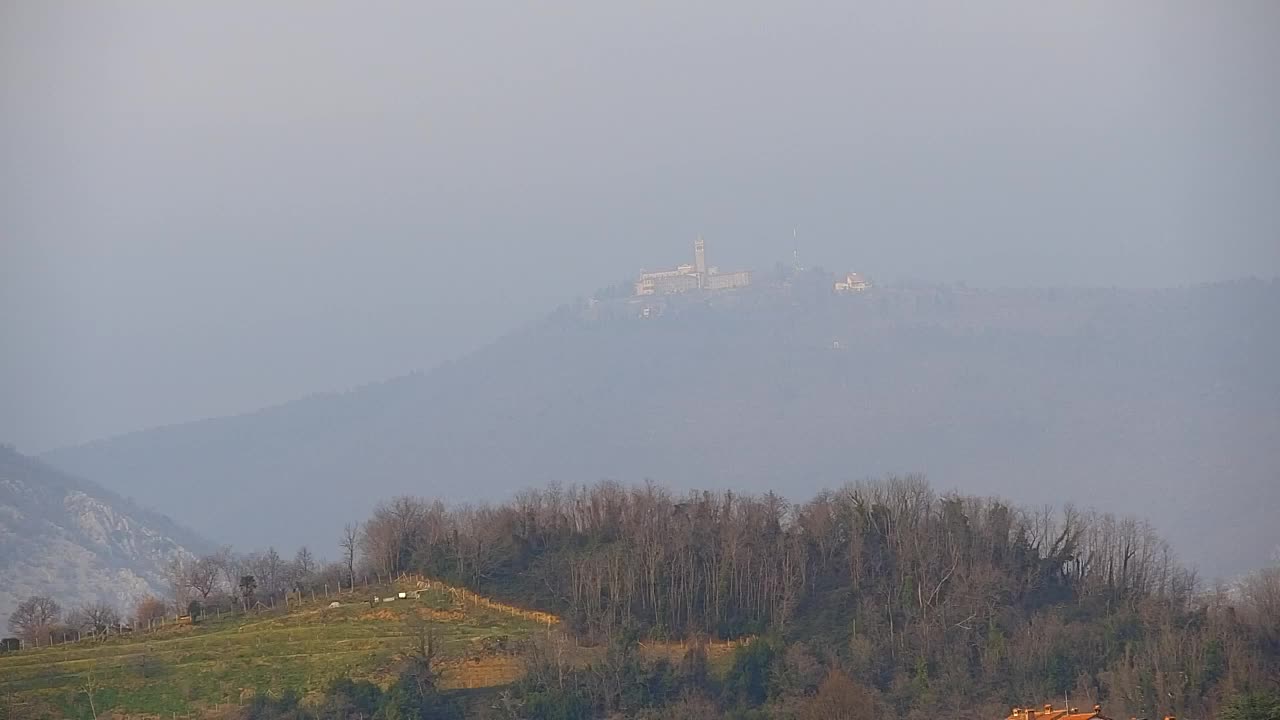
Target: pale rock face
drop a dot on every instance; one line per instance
(76, 542)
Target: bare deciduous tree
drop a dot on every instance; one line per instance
(303, 567)
(95, 618)
(422, 653)
(269, 569)
(202, 576)
(228, 565)
(350, 541)
(148, 609)
(34, 616)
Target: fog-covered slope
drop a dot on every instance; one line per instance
(71, 539)
(1161, 403)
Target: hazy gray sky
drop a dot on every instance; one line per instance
(207, 208)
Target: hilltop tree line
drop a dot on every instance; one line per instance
(40, 618)
(223, 581)
(929, 600)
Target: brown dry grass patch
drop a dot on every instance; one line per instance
(481, 672)
(379, 614)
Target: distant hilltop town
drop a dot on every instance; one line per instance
(698, 276)
(691, 277)
(852, 283)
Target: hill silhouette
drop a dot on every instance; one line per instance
(1160, 403)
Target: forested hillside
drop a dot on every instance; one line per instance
(69, 539)
(879, 599)
(1161, 403)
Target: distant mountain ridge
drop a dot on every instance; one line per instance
(1161, 403)
(77, 542)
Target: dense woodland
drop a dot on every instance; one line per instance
(925, 602)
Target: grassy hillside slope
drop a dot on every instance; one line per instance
(181, 669)
(203, 669)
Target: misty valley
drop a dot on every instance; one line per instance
(347, 562)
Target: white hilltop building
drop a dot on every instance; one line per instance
(851, 283)
(697, 276)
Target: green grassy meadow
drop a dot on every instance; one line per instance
(216, 662)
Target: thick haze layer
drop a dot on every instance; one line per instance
(209, 209)
(1156, 403)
